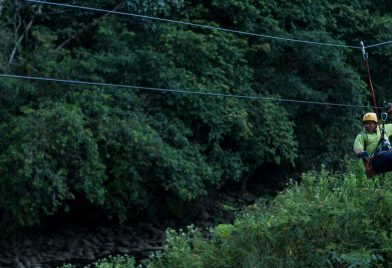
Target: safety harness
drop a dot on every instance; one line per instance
(383, 147)
(383, 144)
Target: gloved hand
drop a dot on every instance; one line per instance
(363, 155)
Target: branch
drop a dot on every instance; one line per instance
(85, 28)
(23, 35)
(19, 42)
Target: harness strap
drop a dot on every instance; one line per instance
(366, 142)
(382, 145)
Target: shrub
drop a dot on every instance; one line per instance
(110, 262)
(47, 156)
(114, 262)
(327, 220)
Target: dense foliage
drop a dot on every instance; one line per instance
(110, 262)
(327, 221)
(136, 152)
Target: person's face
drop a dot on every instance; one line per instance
(370, 126)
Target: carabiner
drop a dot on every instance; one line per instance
(384, 116)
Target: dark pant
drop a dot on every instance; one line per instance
(382, 162)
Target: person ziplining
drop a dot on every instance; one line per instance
(374, 137)
(372, 144)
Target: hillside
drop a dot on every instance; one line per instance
(145, 111)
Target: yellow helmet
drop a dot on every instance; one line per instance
(370, 117)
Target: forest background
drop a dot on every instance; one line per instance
(134, 153)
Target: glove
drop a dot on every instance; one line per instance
(363, 155)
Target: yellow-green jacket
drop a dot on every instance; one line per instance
(367, 141)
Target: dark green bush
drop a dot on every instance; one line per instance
(47, 156)
(110, 262)
(129, 150)
(327, 220)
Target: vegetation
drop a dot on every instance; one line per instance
(136, 153)
(110, 262)
(328, 220)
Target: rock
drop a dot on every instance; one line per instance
(108, 245)
(128, 230)
(26, 261)
(143, 245)
(123, 242)
(16, 263)
(86, 242)
(157, 233)
(123, 250)
(69, 233)
(33, 259)
(136, 239)
(80, 253)
(50, 242)
(67, 256)
(39, 257)
(95, 240)
(27, 243)
(104, 253)
(60, 258)
(209, 224)
(248, 198)
(102, 230)
(89, 255)
(4, 262)
(204, 215)
(69, 247)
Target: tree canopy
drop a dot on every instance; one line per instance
(132, 151)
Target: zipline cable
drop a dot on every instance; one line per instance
(379, 44)
(194, 24)
(66, 81)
